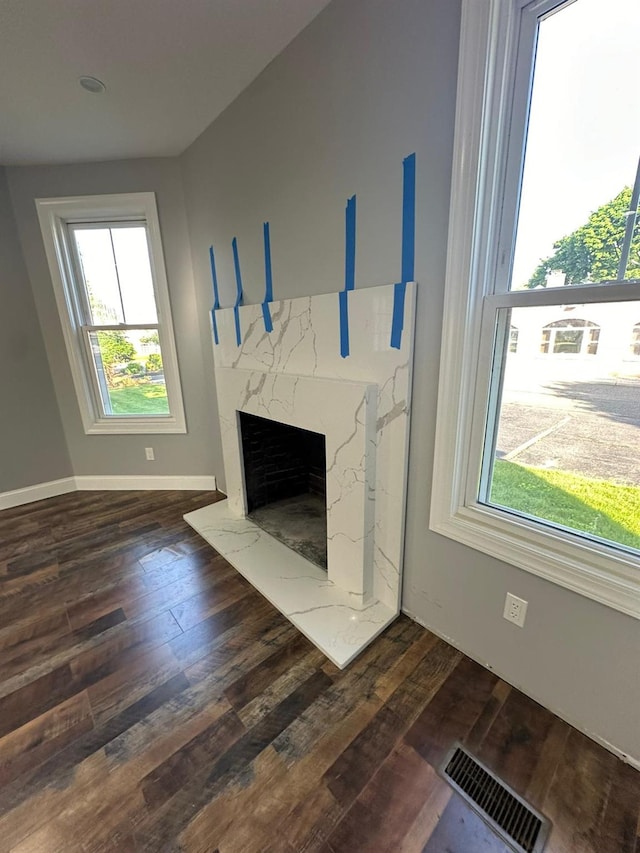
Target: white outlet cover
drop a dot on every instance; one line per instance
(515, 609)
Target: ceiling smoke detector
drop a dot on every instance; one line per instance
(92, 84)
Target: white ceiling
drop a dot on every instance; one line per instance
(170, 67)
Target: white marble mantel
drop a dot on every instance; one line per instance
(295, 374)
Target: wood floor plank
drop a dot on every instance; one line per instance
(25, 643)
(251, 683)
(452, 712)
(515, 742)
(619, 823)
(209, 780)
(549, 758)
(480, 728)
(418, 834)
(59, 768)
(391, 801)
(30, 745)
(578, 797)
(205, 749)
(353, 769)
(150, 699)
(132, 680)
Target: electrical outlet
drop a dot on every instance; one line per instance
(148, 452)
(515, 609)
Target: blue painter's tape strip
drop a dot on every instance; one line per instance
(266, 313)
(349, 273)
(344, 323)
(214, 277)
(350, 245)
(408, 217)
(268, 294)
(236, 263)
(238, 303)
(397, 322)
(236, 317)
(267, 264)
(216, 297)
(215, 326)
(408, 247)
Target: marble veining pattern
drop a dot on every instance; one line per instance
(336, 621)
(362, 403)
(348, 422)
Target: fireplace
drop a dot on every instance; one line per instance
(295, 375)
(285, 483)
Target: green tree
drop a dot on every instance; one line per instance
(154, 361)
(592, 252)
(151, 338)
(115, 350)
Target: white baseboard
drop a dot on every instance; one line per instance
(40, 491)
(29, 494)
(133, 483)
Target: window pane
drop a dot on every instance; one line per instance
(99, 271)
(117, 273)
(129, 372)
(565, 449)
(582, 147)
(134, 273)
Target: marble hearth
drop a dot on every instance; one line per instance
(295, 375)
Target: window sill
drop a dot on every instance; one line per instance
(135, 426)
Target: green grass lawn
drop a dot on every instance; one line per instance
(143, 399)
(598, 507)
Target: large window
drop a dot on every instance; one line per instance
(106, 263)
(537, 443)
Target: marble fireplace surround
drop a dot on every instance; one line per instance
(296, 375)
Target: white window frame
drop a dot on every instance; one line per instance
(55, 215)
(494, 82)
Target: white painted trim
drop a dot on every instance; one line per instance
(634, 761)
(37, 492)
(175, 482)
(54, 214)
(486, 82)
(40, 491)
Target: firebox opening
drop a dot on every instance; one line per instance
(285, 481)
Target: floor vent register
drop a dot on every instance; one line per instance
(519, 825)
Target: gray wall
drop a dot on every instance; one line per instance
(32, 444)
(188, 454)
(366, 83)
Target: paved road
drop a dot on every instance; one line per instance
(590, 428)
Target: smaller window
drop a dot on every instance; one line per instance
(106, 263)
(513, 339)
(635, 340)
(567, 337)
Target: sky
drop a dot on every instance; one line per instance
(99, 259)
(584, 128)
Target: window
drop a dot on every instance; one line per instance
(635, 340)
(106, 264)
(536, 455)
(568, 337)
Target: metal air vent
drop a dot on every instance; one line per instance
(520, 826)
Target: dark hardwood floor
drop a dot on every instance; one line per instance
(151, 700)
